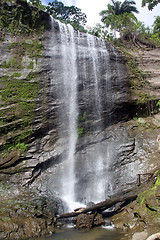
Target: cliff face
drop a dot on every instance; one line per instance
(29, 113)
(33, 151)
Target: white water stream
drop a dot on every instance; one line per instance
(81, 61)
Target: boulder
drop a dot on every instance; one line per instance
(85, 221)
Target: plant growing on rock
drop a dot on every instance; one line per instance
(158, 104)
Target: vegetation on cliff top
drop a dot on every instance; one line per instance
(119, 18)
(18, 17)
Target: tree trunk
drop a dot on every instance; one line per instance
(123, 198)
(100, 207)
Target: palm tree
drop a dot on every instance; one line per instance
(151, 3)
(118, 8)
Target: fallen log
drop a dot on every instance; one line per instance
(125, 197)
(100, 206)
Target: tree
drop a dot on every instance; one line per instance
(151, 3)
(99, 31)
(37, 3)
(118, 8)
(119, 16)
(68, 14)
(156, 25)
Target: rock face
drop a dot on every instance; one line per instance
(45, 148)
(148, 62)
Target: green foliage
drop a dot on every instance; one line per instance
(118, 8)
(33, 49)
(38, 4)
(119, 19)
(156, 25)
(100, 31)
(83, 117)
(145, 123)
(137, 75)
(31, 65)
(141, 122)
(20, 18)
(149, 201)
(13, 63)
(121, 23)
(150, 3)
(158, 104)
(22, 147)
(67, 14)
(80, 131)
(81, 124)
(155, 39)
(143, 97)
(21, 93)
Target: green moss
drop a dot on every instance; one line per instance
(81, 124)
(33, 49)
(18, 90)
(138, 77)
(149, 201)
(18, 93)
(4, 219)
(13, 63)
(157, 183)
(80, 131)
(158, 105)
(31, 65)
(143, 97)
(22, 93)
(83, 117)
(16, 74)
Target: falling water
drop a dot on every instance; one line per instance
(98, 193)
(81, 81)
(70, 92)
(63, 48)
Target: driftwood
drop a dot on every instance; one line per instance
(122, 199)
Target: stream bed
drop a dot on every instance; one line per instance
(91, 234)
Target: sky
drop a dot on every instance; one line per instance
(92, 8)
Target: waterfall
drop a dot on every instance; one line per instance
(68, 112)
(83, 85)
(70, 98)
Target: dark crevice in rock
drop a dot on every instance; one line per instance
(150, 208)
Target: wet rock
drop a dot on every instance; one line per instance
(85, 221)
(99, 220)
(89, 220)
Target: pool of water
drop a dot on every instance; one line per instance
(93, 234)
